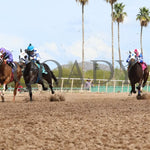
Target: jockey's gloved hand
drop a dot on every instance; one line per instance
(4, 55)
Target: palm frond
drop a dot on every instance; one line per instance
(119, 14)
(143, 16)
(83, 2)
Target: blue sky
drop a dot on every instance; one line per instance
(54, 27)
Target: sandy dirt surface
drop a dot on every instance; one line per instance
(84, 121)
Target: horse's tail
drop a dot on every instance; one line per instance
(54, 77)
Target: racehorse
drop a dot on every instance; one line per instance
(136, 74)
(32, 74)
(8, 75)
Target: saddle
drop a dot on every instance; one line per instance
(38, 66)
(14, 71)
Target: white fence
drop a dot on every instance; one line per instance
(98, 85)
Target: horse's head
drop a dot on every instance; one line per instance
(23, 58)
(132, 58)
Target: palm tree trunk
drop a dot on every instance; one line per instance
(83, 40)
(112, 36)
(141, 40)
(119, 46)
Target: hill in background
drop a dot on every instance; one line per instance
(89, 66)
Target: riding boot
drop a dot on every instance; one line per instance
(40, 73)
(40, 70)
(12, 65)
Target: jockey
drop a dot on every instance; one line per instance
(139, 56)
(8, 57)
(33, 53)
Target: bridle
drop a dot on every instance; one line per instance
(1, 59)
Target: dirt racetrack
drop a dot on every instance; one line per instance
(84, 121)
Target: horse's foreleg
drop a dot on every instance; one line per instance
(132, 89)
(140, 88)
(2, 93)
(30, 90)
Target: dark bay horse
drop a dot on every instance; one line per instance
(32, 73)
(137, 75)
(7, 76)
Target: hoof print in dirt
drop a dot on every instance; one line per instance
(57, 97)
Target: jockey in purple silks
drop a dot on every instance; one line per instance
(7, 56)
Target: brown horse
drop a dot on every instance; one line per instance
(7, 76)
(137, 75)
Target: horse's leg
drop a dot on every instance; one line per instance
(2, 92)
(48, 78)
(140, 88)
(132, 89)
(53, 76)
(51, 87)
(15, 90)
(4, 87)
(30, 90)
(145, 77)
(43, 86)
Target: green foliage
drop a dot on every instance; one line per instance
(118, 14)
(143, 16)
(111, 1)
(83, 2)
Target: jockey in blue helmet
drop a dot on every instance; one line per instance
(33, 53)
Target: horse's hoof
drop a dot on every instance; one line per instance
(134, 92)
(138, 96)
(45, 89)
(129, 94)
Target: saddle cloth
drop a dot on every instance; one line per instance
(144, 66)
(43, 69)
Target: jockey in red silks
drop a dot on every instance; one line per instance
(139, 58)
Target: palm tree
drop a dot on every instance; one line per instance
(111, 3)
(82, 2)
(144, 17)
(118, 16)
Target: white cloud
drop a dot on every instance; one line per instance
(95, 48)
(11, 42)
(48, 51)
